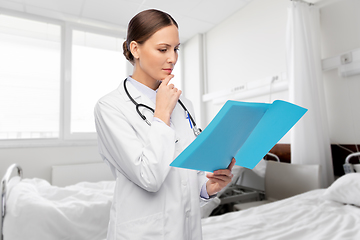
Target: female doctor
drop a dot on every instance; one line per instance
(152, 200)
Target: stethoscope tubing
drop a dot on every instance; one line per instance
(196, 130)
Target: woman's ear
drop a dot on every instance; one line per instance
(134, 49)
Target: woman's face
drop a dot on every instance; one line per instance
(157, 55)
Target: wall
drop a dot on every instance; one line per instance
(340, 23)
(192, 84)
(36, 162)
(250, 45)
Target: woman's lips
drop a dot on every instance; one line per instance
(168, 70)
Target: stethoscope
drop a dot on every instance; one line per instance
(192, 123)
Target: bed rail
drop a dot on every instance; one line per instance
(4, 182)
(274, 156)
(348, 167)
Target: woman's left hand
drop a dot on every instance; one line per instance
(219, 179)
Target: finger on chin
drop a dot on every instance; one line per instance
(167, 79)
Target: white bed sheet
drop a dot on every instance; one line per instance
(306, 216)
(38, 210)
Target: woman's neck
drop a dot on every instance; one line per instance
(145, 79)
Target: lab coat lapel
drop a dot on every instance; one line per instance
(181, 122)
(138, 97)
(134, 93)
(183, 132)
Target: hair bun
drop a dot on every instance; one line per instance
(127, 53)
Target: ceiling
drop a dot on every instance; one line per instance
(193, 16)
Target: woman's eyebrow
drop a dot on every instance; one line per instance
(169, 45)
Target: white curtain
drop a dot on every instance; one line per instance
(310, 142)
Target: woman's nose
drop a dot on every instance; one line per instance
(172, 58)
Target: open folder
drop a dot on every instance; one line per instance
(243, 130)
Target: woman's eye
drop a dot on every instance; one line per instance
(163, 50)
(176, 49)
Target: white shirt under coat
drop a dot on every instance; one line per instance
(152, 200)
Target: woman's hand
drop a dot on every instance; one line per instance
(166, 99)
(219, 179)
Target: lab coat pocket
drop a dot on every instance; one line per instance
(149, 227)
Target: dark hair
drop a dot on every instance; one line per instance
(142, 26)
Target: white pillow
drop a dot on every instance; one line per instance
(345, 190)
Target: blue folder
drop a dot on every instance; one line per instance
(243, 130)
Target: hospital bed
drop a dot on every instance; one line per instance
(34, 209)
(71, 208)
(332, 213)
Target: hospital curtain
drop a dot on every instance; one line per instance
(310, 142)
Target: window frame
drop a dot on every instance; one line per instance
(68, 33)
(66, 138)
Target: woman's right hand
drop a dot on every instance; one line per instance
(166, 99)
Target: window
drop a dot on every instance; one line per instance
(29, 79)
(52, 73)
(98, 66)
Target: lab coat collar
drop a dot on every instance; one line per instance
(131, 89)
(135, 93)
(136, 90)
(143, 89)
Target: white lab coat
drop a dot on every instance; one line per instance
(152, 200)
